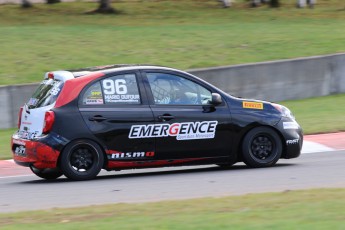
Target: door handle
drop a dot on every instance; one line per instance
(98, 118)
(165, 117)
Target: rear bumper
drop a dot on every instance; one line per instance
(33, 152)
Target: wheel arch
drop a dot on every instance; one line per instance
(102, 147)
(243, 135)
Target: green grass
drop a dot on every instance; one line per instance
(182, 33)
(5, 143)
(320, 114)
(309, 209)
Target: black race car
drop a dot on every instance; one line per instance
(137, 116)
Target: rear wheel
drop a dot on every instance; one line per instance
(261, 147)
(81, 160)
(48, 174)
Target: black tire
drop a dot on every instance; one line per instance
(81, 160)
(261, 147)
(48, 174)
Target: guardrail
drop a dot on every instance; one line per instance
(273, 81)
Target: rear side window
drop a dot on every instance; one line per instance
(46, 93)
(119, 89)
(93, 95)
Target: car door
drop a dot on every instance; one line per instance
(186, 125)
(109, 107)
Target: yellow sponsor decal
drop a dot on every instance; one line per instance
(96, 93)
(253, 105)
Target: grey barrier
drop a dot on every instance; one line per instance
(272, 81)
(280, 80)
(12, 97)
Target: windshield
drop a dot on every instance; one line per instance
(46, 93)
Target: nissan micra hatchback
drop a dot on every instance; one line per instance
(133, 116)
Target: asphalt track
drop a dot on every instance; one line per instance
(24, 191)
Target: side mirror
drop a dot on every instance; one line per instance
(216, 99)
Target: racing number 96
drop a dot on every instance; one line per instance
(114, 86)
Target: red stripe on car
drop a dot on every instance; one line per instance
(72, 88)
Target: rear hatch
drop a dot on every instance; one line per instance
(33, 114)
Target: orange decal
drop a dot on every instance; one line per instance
(253, 105)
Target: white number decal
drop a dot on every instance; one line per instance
(117, 86)
(109, 87)
(120, 86)
(54, 91)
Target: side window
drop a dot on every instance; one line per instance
(119, 89)
(172, 89)
(93, 95)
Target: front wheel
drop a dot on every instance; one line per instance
(261, 147)
(48, 174)
(81, 160)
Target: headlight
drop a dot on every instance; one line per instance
(287, 113)
(284, 111)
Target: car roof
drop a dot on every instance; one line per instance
(76, 73)
(117, 67)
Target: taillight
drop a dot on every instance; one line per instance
(49, 119)
(50, 75)
(20, 117)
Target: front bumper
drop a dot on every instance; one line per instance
(33, 153)
(293, 137)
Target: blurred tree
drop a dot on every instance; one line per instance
(274, 3)
(26, 4)
(255, 3)
(304, 3)
(104, 7)
(53, 1)
(226, 3)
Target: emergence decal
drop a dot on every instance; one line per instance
(252, 105)
(182, 131)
